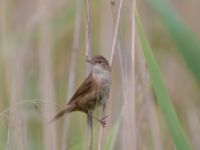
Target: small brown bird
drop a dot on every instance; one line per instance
(93, 92)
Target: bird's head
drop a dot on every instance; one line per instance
(99, 62)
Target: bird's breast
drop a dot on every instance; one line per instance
(103, 91)
(103, 80)
(103, 95)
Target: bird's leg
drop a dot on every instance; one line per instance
(103, 114)
(89, 130)
(89, 115)
(101, 120)
(104, 110)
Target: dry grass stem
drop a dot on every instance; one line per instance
(116, 32)
(132, 83)
(41, 45)
(88, 53)
(115, 41)
(73, 60)
(194, 125)
(148, 105)
(128, 88)
(16, 137)
(100, 139)
(46, 78)
(114, 13)
(15, 117)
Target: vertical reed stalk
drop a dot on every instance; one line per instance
(46, 75)
(194, 125)
(16, 120)
(116, 31)
(15, 75)
(88, 50)
(149, 104)
(128, 87)
(4, 47)
(88, 54)
(73, 60)
(132, 86)
(114, 42)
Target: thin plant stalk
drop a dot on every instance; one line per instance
(148, 105)
(88, 53)
(100, 138)
(127, 86)
(4, 47)
(14, 73)
(194, 125)
(73, 60)
(132, 83)
(16, 122)
(116, 32)
(115, 37)
(173, 124)
(101, 133)
(46, 76)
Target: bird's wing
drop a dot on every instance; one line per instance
(83, 93)
(84, 89)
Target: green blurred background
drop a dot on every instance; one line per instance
(36, 52)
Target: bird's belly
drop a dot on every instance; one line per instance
(101, 100)
(103, 95)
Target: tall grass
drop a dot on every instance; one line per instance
(179, 138)
(73, 64)
(46, 75)
(44, 45)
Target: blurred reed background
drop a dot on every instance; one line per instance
(42, 62)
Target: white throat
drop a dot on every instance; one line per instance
(100, 73)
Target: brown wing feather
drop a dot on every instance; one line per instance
(81, 98)
(84, 89)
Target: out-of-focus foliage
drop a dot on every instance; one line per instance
(163, 98)
(42, 30)
(186, 42)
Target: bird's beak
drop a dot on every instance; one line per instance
(90, 61)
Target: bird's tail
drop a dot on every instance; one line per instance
(61, 113)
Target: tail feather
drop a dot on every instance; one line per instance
(61, 113)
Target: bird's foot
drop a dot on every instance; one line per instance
(103, 121)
